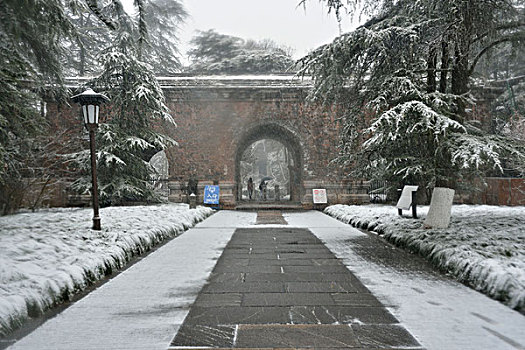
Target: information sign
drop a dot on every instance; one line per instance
(405, 201)
(211, 194)
(319, 196)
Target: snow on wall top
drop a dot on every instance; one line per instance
(220, 81)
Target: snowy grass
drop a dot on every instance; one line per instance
(484, 246)
(47, 257)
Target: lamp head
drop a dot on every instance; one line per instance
(90, 102)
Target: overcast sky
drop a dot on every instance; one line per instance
(279, 20)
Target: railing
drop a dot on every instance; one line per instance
(378, 191)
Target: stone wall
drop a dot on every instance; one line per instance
(504, 191)
(216, 120)
(497, 191)
(217, 117)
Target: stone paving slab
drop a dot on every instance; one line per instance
(328, 336)
(206, 336)
(290, 262)
(219, 300)
(270, 217)
(298, 277)
(287, 299)
(323, 287)
(210, 316)
(340, 314)
(316, 269)
(282, 288)
(225, 268)
(245, 287)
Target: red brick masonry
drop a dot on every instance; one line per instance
(504, 191)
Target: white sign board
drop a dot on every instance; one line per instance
(319, 196)
(405, 201)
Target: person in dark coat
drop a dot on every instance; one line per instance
(250, 188)
(262, 188)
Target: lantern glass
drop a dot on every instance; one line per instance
(90, 112)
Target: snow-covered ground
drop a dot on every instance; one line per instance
(439, 312)
(483, 247)
(48, 256)
(143, 307)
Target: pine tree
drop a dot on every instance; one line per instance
(33, 36)
(219, 53)
(128, 138)
(154, 25)
(402, 80)
(93, 36)
(39, 40)
(163, 18)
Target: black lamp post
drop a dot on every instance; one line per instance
(90, 102)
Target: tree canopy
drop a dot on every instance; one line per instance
(42, 41)
(404, 78)
(213, 53)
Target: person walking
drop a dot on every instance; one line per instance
(250, 188)
(262, 188)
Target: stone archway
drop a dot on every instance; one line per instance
(286, 137)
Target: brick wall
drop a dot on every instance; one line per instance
(497, 191)
(504, 191)
(213, 123)
(216, 118)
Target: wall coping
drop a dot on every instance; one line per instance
(180, 81)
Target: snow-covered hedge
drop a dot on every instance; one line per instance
(47, 257)
(483, 247)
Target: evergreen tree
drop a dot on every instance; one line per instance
(503, 69)
(154, 25)
(219, 53)
(92, 37)
(128, 138)
(33, 34)
(163, 18)
(403, 81)
(38, 39)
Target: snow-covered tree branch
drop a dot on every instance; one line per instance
(403, 83)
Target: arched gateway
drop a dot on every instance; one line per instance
(290, 139)
(218, 118)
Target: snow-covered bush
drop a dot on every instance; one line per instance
(484, 246)
(49, 256)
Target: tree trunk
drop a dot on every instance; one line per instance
(460, 73)
(82, 63)
(445, 63)
(82, 58)
(460, 79)
(431, 69)
(460, 70)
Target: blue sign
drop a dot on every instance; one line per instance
(211, 194)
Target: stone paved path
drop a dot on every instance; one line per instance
(282, 288)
